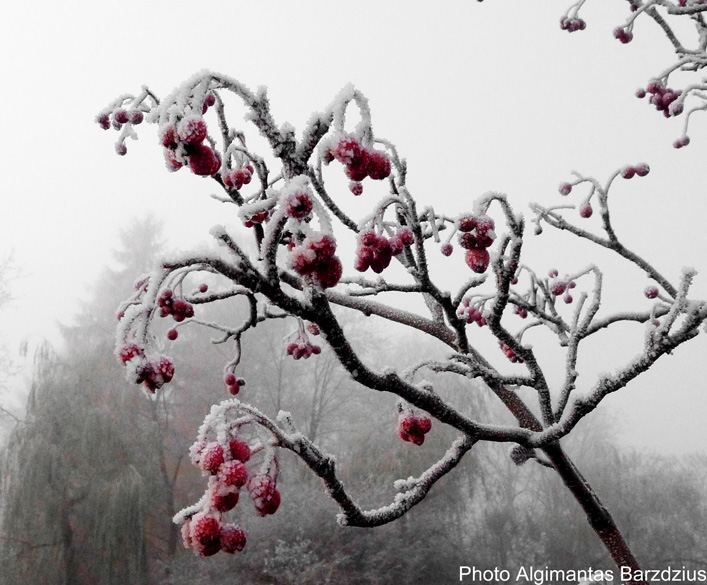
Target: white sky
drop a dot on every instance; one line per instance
(477, 96)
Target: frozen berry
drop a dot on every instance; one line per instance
(240, 450)
(211, 458)
(233, 473)
(205, 532)
(586, 210)
(232, 538)
(447, 249)
(192, 130)
(565, 189)
(172, 334)
(478, 260)
(264, 494)
(121, 116)
(135, 117)
(651, 292)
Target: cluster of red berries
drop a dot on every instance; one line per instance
(186, 140)
(522, 312)
(662, 97)
(236, 178)
(413, 428)
(178, 308)
(624, 35)
(233, 383)
(360, 161)
(297, 202)
(476, 236)
(204, 532)
(560, 287)
(120, 117)
(315, 256)
(640, 170)
(302, 348)
(154, 371)
(572, 24)
(471, 313)
(375, 251)
(510, 354)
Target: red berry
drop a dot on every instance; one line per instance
(120, 116)
(642, 169)
(211, 458)
(558, 287)
(222, 498)
(565, 189)
(232, 538)
(266, 498)
(121, 149)
(135, 117)
(170, 161)
(298, 204)
(356, 187)
(203, 288)
(233, 473)
(378, 165)
(328, 273)
(347, 149)
(205, 532)
(240, 450)
(172, 334)
(640, 93)
(229, 379)
(478, 260)
(192, 130)
(168, 137)
(104, 121)
(651, 292)
(680, 142)
(628, 172)
(586, 210)
(467, 223)
(203, 161)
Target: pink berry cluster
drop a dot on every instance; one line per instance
(572, 24)
(225, 465)
(119, 117)
(471, 313)
(510, 354)
(522, 312)
(375, 251)
(476, 236)
(662, 97)
(413, 428)
(153, 371)
(315, 256)
(640, 170)
(236, 178)
(624, 35)
(359, 161)
(178, 308)
(560, 287)
(302, 348)
(233, 383)
(185, 142)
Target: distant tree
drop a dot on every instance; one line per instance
(81, 473)
(287, 192)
